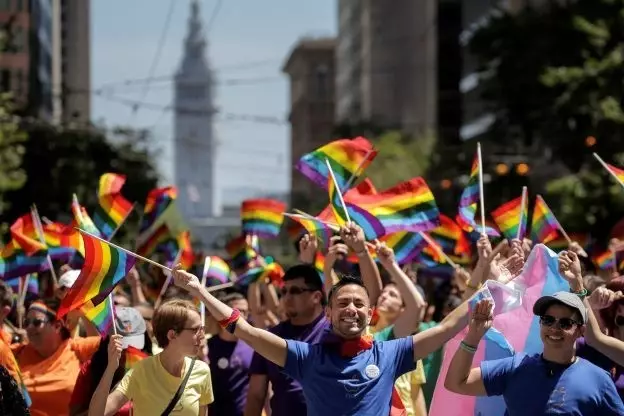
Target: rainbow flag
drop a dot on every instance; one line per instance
(262, 217)
(605, 261)
(515, 329)
(82, 218)
(25, 234)
(63, 236)
(104, 266)
(15, 263)
(469, 201)
(100, 315)
(157, 202)
(560, 243)
(371, 226)
(319, 263)
(508, 216)
(16, 283)
(348, 159)
(112, 209)
(133, 356)
(180, 249)
(544, 225)
(242, 252)
(272, 271)
(450, 236)
(406, 245)
(619, 173)
(408, 206)
(216, 271)
(155, 241)
(314, 227)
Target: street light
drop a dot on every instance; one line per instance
(590, 141)
(522, 169)
(502, 169)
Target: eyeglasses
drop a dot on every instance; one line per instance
(37, 323)
(563, 323)
(195, 330)
(619, 320)
(294, 290)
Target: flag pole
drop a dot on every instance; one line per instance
(522, 204)
(437, 248)
(481, 201)
(112, 306)
(145, 259)
(39, 227)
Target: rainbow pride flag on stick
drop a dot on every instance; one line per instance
(345, 212)
(470, 197)
(104, 266)
(348, 158)
(544, 225)
(511, 217)
(313, 226)
(113, 209)
(262, 217)
(133, 356)
(216, 271)
(101, 315)
(605, 261)
(617, 173)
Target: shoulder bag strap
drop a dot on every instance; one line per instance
(178, 394)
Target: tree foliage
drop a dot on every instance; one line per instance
(12, 139)
(553, 76)
(59, 163)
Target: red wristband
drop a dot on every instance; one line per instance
(232, 319)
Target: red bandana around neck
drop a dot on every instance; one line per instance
(352, 347)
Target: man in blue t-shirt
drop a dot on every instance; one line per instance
(554, 382)
(346, 373)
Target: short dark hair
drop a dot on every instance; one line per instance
(306, 272)
(6, 295)
(344, 281)
(231, 296)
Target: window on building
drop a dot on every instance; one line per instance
(321, 73)
(5, 80)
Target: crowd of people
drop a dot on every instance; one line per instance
(366, 343)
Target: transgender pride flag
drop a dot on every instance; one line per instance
(515, 329)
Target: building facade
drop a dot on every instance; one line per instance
(310, 67)
(388, 65)
(45, 61)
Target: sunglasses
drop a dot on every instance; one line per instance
(37, 323)
(619, 320)
(562, 323)
(294, 290)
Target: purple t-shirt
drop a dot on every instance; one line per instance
(288, 396)
(229, 365)
(599, 359)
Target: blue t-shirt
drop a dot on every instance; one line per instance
(361, 385)
(526, 384)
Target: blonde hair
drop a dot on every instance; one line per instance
(171, 315)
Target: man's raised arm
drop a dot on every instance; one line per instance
(269, 345)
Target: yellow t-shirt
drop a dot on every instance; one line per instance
(151, 387)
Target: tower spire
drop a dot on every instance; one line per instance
(195, 41)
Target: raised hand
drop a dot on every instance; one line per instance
(114, 351)
(353, 236)
(570, 269)
(480, 321)
(185, 280)
(337, 250)
(385, 254)
(484, 247)
(460, 278)
(133, 277)
(307, 248)
(602, 298)
(509, 268)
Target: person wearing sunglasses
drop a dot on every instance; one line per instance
(553, 382)
(50, 362)
(303, 301)
(169, 380)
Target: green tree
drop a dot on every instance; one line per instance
(553, 76)
(59, 163)
(12, 176)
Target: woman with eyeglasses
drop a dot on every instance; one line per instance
(169, 380)
(51, 360)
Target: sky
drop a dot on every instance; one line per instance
(248, 43)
